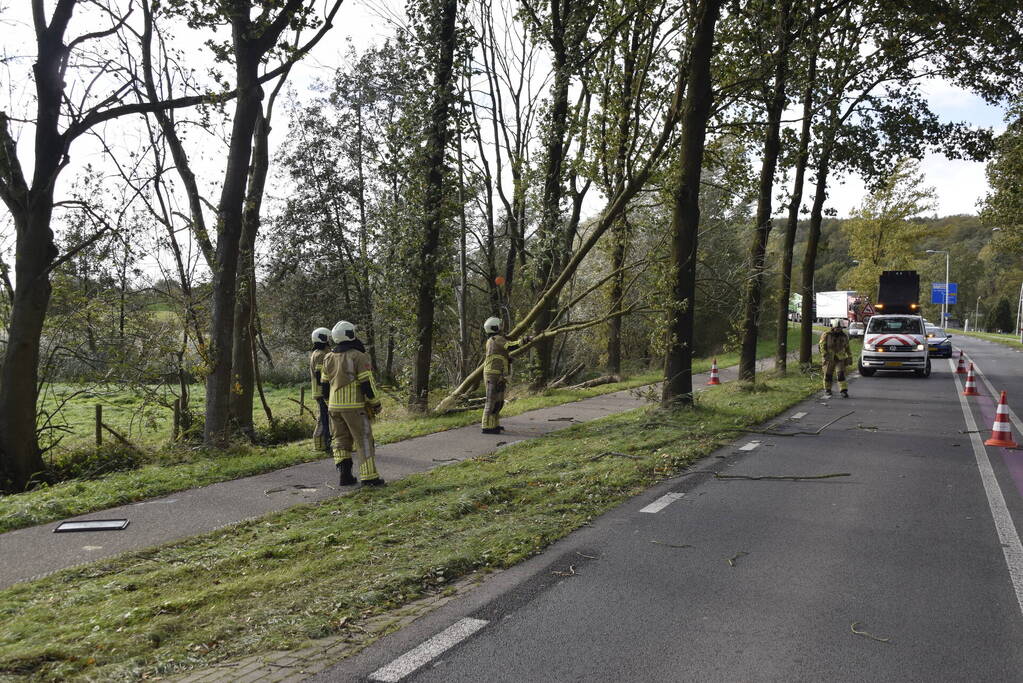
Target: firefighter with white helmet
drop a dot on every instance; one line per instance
(321, 435)
(835, 356)
(496, 368)
(352, 405)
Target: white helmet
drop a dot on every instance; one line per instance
(321, 335)
(492, 325)
(836, 322)
(343, 331)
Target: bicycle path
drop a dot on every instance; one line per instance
(34, 552)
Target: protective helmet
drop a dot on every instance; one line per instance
(343, 331)
(492, 325)
(321, 335)
(836, 322)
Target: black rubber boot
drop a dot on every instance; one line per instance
(345, 469)
(845, 393)
(491, 430)
(376, 481)
(827, 393)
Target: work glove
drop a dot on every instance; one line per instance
(374, 410)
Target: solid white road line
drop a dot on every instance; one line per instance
(1012, 548)
(750, 446)
(432, 648)
(798, 416)
(662, 502)
(995, 394)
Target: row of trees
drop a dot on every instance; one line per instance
(574, 165)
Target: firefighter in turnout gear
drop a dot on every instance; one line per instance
(321, 435)
(353, 404)
(496, 368)
(835, 355)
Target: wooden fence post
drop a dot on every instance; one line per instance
(99, 424)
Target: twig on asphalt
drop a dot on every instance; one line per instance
(588, 557)
(867, 634)
(672, 545)
(267, 492)
(444, 459)
(571, 571)
(736, 556)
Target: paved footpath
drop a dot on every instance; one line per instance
(34, 552)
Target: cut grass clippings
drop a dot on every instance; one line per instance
(184, 468)
(320, 569)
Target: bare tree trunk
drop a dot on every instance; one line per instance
(242, 359)
(792, 222)
(225, 272)
(772, 147)
(678, 361)
(434, 206)
(550, 236)
(812, 242)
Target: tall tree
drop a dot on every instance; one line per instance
(775, 99)
(685, 221)
(441, 19)
(59, 120)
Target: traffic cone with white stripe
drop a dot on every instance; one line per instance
(961, 368)
(1001, 432)
(971, 384)
(714, 379)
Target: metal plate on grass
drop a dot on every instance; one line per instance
(92, 525)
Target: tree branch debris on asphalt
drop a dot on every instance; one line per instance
(571, 571)
(736, 556)
(866, 634)
(782, 477)
(672, 545)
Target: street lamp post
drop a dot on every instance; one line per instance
(944, 298)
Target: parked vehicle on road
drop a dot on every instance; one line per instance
(939, 342)
(897, 343)
(898, 291)
(856, 329)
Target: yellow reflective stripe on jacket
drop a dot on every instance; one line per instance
(346, 397)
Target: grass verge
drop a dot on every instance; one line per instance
(183, 468)
(318, 570)
(1004, 339)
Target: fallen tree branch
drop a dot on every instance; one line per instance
(781, 477)
(866, 634)
(620, 455)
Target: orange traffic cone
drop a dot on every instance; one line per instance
(961, 368)
(1001, 433)
(714, 380)
(971, 384)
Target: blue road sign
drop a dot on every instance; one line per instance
(938, 292)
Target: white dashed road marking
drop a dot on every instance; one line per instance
(1012, 548)
(750, 446)
(662, 502)
(798, 416)
(431, 649)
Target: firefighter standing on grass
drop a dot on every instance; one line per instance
(321, 435)
(353, 404)
(835, 355)
(496, 368)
